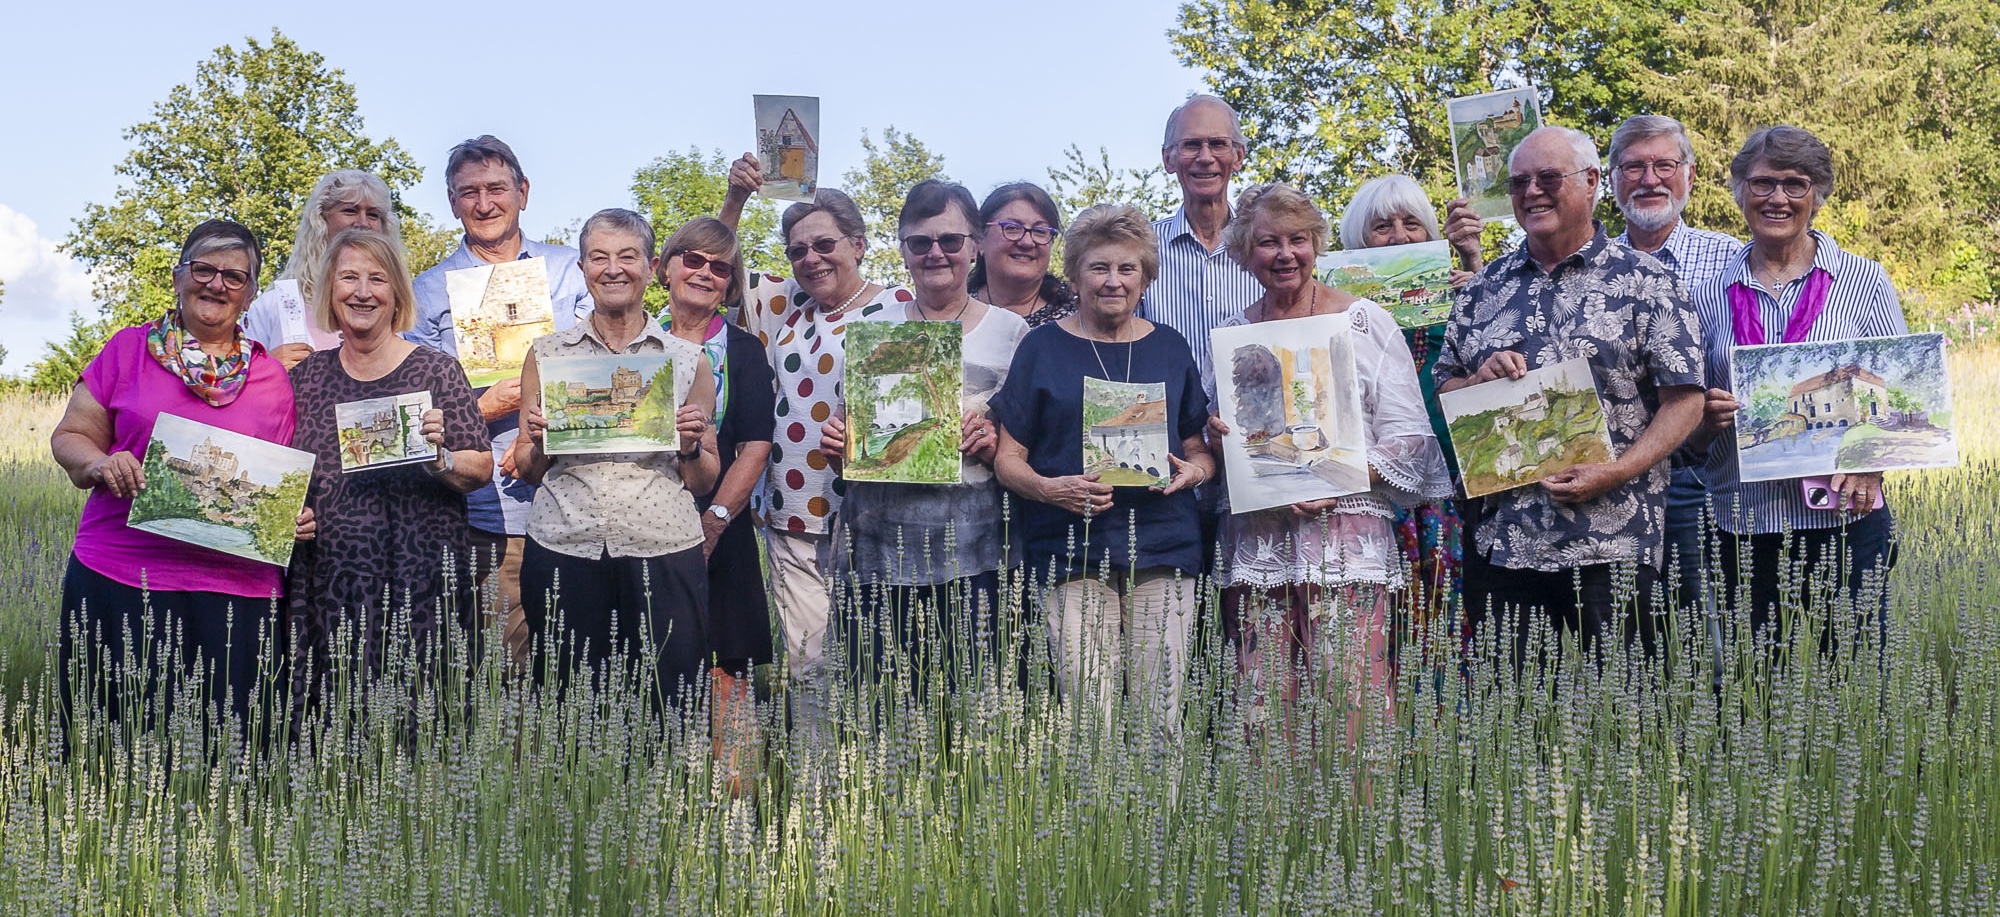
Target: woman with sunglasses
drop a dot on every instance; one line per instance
(192, 362)
(902, 547)
(1012, 270)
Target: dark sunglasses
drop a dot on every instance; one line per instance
(1549, 181)
(204, 272)
(797, 250)
(951, 242)
(694, 261)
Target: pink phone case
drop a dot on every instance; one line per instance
(1820, 494)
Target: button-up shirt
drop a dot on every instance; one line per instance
(1198, 288)
(1630, 318)
(1861, 303)
(1696, 256)
(502, 506)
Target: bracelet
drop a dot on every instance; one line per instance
(691, 456)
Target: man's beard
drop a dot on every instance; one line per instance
(1656, 218)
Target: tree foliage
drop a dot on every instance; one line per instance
(1081, 182)
(878, 187)
(680, 186)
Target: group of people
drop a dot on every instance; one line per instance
(656, 555)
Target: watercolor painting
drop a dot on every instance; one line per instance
(222, 490)
(788, 145)
(1288, 392)
(1833, 407)
(1485, 129)
(1513, 432)
(1413, 282)
(623, 402)
(380, 432)
(903, 388)
(1126, 434)
(497, 311)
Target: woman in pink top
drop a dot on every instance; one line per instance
(194, 363)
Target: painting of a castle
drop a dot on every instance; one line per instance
(612, 403)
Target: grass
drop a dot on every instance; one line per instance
(1819, 787)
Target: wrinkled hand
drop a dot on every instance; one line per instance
(711, 532)
(1182, 475)
(1312, 508)
(978, 440)
(1583, 483)
(833, 439)
(1081, 494)
(692, 424)
(746, 176)
(121, 473)
(501, 399)
(1503, 365)
(538, 426)
(1719, 410)
(291, 354)
(433, 428)
(510, 461)
(305, 527)
(1858, 492)
(1460, 278)
(1462, 229)
(1217, 429)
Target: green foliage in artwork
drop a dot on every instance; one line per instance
(164, 496)
(275, 516)
(655, 417)
(927, 356)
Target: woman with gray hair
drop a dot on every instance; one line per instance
(1791, 283)
(283, 319)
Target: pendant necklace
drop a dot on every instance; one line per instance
(1100, 357)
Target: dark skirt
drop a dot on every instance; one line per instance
(739, 609)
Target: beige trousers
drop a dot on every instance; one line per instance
(1130, 631)
(798, 584)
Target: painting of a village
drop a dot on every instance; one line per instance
(788, 145)
(222, 490)
(380, 432)
(497, 310)
(1485, 129)
(903, 385)
(1287, 390)
(1818, 408)
(1514, 432)
(1412, 281)
(610, 403)
(1126, 435)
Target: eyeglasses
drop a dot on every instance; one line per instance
(205, 273)
(797, 251)
(695, 261)
(1012, 232)
(950, 242)
(1794, 188)
(1636, 169)
(1550, 182)
(1216, 146)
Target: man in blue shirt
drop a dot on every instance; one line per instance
(488, 191)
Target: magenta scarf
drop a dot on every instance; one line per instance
(1748, 321)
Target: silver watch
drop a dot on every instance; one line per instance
(719, 511)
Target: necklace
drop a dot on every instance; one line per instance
(1100, 357)
(850, 300)
(923, 314)
(1312, 306)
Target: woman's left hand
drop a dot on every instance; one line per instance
(305, 527)
(977, 438)
(692, 423)
(1858, 492)
(1314, 507)
(433, 428)
(1185, 475)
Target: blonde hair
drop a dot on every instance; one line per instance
(388, 254)
(1284, 207)
(1111, 224)
(334, 188)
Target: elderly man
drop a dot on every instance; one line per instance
(1555, 548)
(488, 192)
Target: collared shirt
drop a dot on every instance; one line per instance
(1198, 288)
(626, 504)
(1696, 256)
(1861, 303)
(1630, 318)
(502, 506)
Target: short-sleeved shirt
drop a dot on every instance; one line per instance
(1041, 406)
(804, 342)
(1198, 288)
(135, 390)
(501, 507)
(1629, 316)
(266, 320)
(1861, 303)
(625, 504)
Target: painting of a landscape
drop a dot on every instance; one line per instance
(497, 310)
(903, 385)
(1412, 281)
(1287, 390)
(1817, 408)
(1126, 434)
(1514, 432)
(788, 145)
(379, 432)
(222, 490)
(610, 403)
(1485, 129)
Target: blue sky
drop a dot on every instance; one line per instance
(585, 92)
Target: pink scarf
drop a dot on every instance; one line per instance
(1747, 319)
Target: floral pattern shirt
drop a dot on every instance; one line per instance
(1630, 317)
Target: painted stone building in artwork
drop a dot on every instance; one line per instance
(1841, 397)
(1133, 436)
(792, 148)
(628, 387)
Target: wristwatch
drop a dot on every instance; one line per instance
(720, 512)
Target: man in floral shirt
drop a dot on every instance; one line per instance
(1557, 548)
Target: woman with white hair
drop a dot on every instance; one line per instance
(281, 319)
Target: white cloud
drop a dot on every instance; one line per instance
(43, 286)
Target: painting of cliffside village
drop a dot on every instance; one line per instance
(1127, 435)
(497, 310)
(1485, 129)
(904, 383)
(222, 490)
(380, 432)
(788, 145)
(1819, 408)
(613, 403)
(1413, 282)
(1288, 393)
(1513, 432)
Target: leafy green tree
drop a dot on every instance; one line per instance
(680, 186)
(878, 187)
(1080, 182)
(275, 517)
(62, 367)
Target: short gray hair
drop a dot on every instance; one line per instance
(1174, 120)
(1784, 147)
(1385, 197)
(617, 219)
(1646, 127)
(1581, 146)
(1284, 207)
(834, 203)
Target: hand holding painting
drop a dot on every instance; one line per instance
(1081, 494)
(1184, 473)
(833, 439)
(1849, 493)
(121, 473)
(1584, 483)
(1503, 365)
(305, 527)
(691, 422)
(977, 439)
(1462, 229)
(1719, 411)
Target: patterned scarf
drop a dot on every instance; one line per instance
(716, 345)
(1747, 320)
(218, 380)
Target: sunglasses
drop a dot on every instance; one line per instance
(797, 251)
(950, 242)
(204, 273)
(695, 261)
(1550, 181)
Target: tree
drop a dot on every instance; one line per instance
(62, 368)
(680, 186)
(1080, 183)
(878, 187)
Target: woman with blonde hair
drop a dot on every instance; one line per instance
(283, 318)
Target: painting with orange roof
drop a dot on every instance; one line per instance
(1836, 407)
(1125, 432)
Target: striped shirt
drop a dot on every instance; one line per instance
(1197, 290)
(1861, 303)
(1694, 255)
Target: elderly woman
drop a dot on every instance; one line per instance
(1310, 583)
(902, 547)
(614, 537)
(1111, 560)
(284, 318)
(1021, 223)
(192, 362)
(1393, 210)
(1791, 283)
(392, 541)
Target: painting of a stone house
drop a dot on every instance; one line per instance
(1841, 397)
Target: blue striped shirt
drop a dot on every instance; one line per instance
(1198, 289)
(1861, 303)
(1696, 256)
